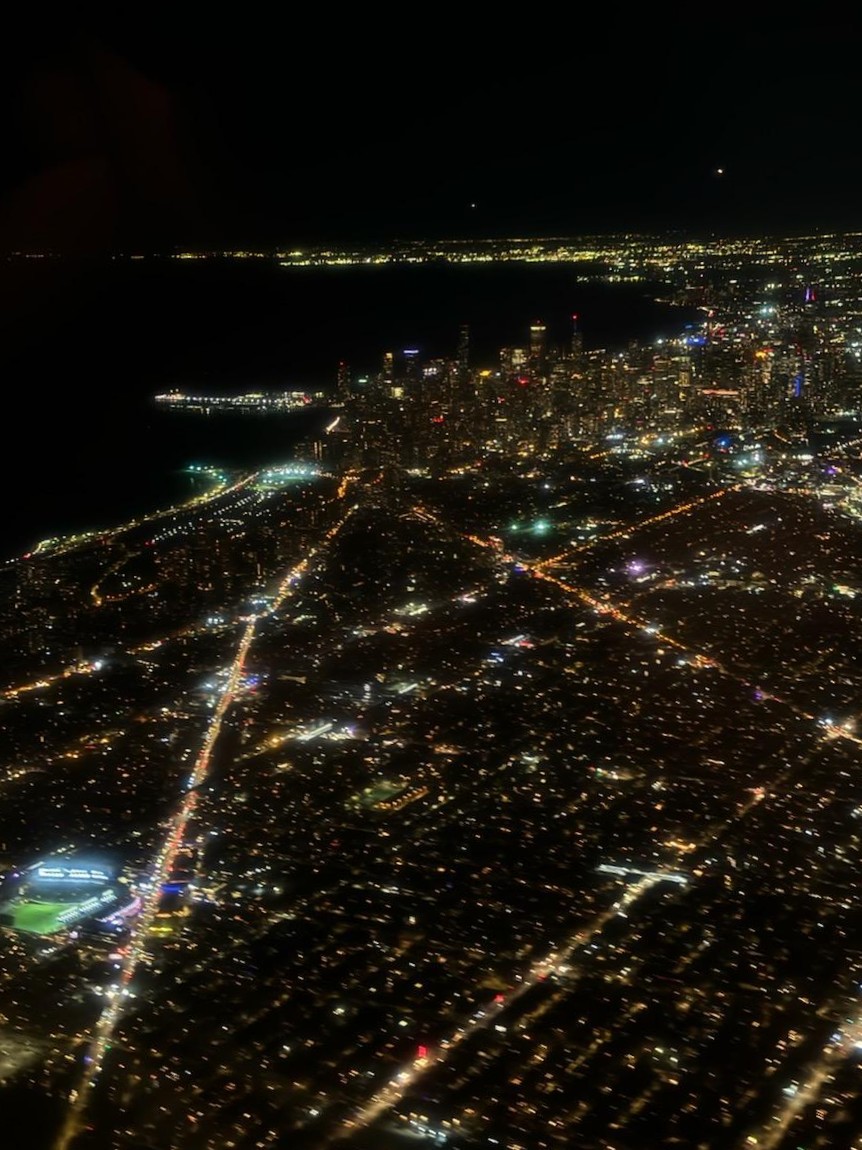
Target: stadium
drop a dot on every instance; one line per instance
(57, 894)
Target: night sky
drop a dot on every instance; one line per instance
(251, 130)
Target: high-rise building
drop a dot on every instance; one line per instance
(464, 351)
(342, 382)
(412, 367)
(538, 349)
(513, 360)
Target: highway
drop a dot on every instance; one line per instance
(624, 532)
(394, 1090)
(620, 613)
(151, 898)
(555, 962)
(552, 963)
(846, 1039)
(174, 837)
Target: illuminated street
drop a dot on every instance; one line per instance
(555, 962)
(480, 766)
(165, 859)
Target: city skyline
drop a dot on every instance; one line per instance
(484, 773)
(431, 580)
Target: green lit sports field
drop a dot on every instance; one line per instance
(37, 917)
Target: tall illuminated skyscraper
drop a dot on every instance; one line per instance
(342, 385)
(386, 380)
(538, 349)
(410, 357)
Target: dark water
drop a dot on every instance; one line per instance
(83, 347)
(142, 467)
